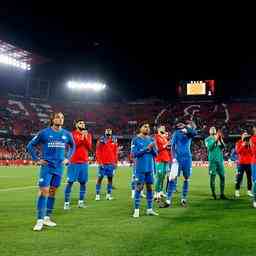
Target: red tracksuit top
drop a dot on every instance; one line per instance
(244, 153)
(83, 145)
(107, 151)
(163, 153)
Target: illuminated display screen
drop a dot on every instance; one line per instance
(196, 88)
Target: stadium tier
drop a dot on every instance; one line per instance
(22, 118)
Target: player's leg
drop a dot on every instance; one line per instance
(44, 182)
(158, 180)
(99, 181)
(212, 173)
(71, 178)
(82, 179)
(221, 173)
(149, 180)
(109, 173)
(187, 171)
(239, 178)
(248, 172)
(133, 186)
(139, 179)
(164, 171)
(253, 168)
(54, 184)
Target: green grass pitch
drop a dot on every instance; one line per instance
(206, 227)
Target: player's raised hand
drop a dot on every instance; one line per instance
(41, 162)
(65, 161)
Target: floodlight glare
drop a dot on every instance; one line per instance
(83, 86)
(5, 59)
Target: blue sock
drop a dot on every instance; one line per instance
(50, 204)
(41, 206)
(133, 184)
(171, 189)
(68, 191)
(150, 199)
(109, 188)
(98, 189)
(137, 199)
(82, 191)
(185, 189)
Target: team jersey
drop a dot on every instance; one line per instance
(107, 150)
(53, 146)
(233, 155)
(83, 145)
(244, 153)
(143, 158)
(162, 147)
(181, 142)
(215, 150)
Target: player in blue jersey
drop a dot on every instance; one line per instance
(181, 155)
(143, 151)
(54, 141)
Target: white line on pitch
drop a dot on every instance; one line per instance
(17, 188)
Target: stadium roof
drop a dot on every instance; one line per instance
(21, 55)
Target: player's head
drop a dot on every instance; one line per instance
(245, 136)
(80, 125)
(180, 123)
(213, 130)
(108, 132)
(57, 119)
(161, 129)
(144, 128)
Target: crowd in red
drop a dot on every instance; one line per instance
(22, 117)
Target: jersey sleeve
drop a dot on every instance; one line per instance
(174, 145)
(98, 152)
(71, 144)
(37, 140)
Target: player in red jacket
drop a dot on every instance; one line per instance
(162, 160)
(106, 157)
(78, 167)
(244, 154)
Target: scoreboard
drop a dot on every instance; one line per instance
(196, 88)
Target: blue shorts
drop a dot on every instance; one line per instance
(185, 166)
(253, 166)
(106, 170)
(77, 172)
(50, 177)
(144, 177)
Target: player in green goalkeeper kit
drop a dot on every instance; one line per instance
(215, 146)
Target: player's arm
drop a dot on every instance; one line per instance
(137, 150)
(98, 152)
(154, 148)
(88, 140)
(174, 145)
(191, 132)
(72, 148)
(116, 152)
(31, 147)
(239, 148)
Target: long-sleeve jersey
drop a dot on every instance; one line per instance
(233, 155)
(244, 153)
(143, 158)
(162, 147)
(253, 148)
(53, 146)
(215, 149)
(83, 145)
(107, 150)
(181, 142)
